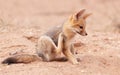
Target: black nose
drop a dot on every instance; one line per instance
(86, 34)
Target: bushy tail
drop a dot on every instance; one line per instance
(23, 58)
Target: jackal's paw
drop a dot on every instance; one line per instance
(75, 63)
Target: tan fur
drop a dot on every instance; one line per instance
(46, 44)
(75, 24)
(58, 40)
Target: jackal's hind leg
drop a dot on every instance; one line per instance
(60, 43)
(46, 48)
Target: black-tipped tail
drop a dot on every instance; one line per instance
(9, 61)
(22, 58)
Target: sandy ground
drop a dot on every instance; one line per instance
(23, 21)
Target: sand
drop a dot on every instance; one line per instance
(23, 21)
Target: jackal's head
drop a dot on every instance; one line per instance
(78, 22)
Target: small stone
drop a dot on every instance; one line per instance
(101, 53)
(89, 51)
(7, 66)
(82, 71)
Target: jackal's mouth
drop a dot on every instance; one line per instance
(81, 33)
(78, 32)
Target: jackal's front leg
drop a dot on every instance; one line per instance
(68, 53)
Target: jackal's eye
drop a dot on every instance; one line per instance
(81, 27)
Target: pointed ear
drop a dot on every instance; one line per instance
(86, 15)
(78, 14)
